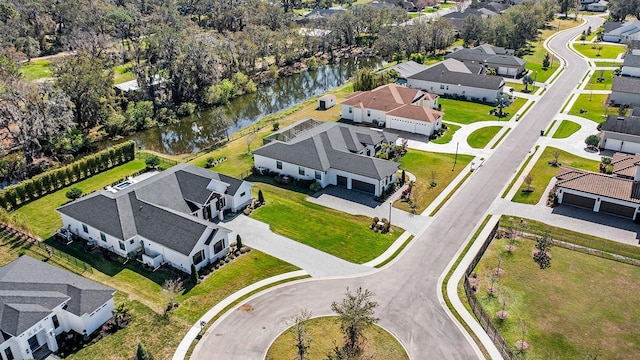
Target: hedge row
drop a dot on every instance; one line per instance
(16, 195)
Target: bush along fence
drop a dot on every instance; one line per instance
(19, 194)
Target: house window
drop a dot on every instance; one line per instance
(243, 194)
(318, 175)
(368, 112)
(218, 246)
(350, 110)
(441, 87)
(198, 257)
(56, 323)
(103, 237)
(279, 164)
(122, 247)
(85, 228)
(9, 354)
(301, 170)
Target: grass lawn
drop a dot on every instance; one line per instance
(340, 234)
(36, 69)
(607, 64)
(465, 112)
(325, 334)
(595, 105)
(542, 173)
(593, 83)
(122, 73)
(566, 129)
(481, 137)
(448, 135)
(40, 213)
(424, 165)
(579, 308)
(600, 51)
(520, 87)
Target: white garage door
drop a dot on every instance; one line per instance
(631, 147)
(612, 144)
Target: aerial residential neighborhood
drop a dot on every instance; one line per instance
(319, 180)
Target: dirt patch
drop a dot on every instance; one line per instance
(522, 345)
(246, 308)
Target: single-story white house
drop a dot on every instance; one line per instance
(617, 194)
(600, 6)
(502, 60)
(395, 107)
(452, 77)
(166, 218)
(39, 301)
(331, 153)
(621, 32)
(625, 90)
(621, 133)
(631, 64)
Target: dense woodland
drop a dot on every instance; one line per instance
(186, 55)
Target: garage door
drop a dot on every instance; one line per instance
(576, 200)
(617, 209)
(613, 144)
(363, 186)
(342, 181)
(631, 147)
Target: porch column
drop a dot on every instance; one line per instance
(596, 206)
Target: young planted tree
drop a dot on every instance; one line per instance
(546, 61)
(152, 162)
(73, 193)
(195, 277)
(556, 157)
(356, 313)
(121, 315)
(238, 242)
(528, 180)
(543, 245)
(142, 353)
(298, 329)
(171, 287)
(592, 141)
(260, 197)
(527, 80)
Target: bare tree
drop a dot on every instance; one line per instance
(300, 333)
(248, 139)
(172, 287)
(528, 180)
(356, 314)
(556, 156)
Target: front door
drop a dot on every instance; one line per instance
(33, 343)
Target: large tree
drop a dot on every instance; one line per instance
(472, 29)
(32, 115)
(620, 9)
(356, 313)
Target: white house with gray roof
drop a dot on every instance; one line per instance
(621, 133)
(625, 90)
(331, 154)
(621, 32)
(631, 64)
(452, 77)
(167, 218)
(39, 301)
(502, 60)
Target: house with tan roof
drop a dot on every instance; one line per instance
(616, 194)
(395, 107)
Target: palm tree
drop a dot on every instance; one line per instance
(502, 101)
(527, 80)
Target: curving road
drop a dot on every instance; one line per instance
(407, 289)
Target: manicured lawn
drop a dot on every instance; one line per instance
(36, 69)
(595, 104)
(520, 87)
(566, 129)
(600, 51)
(465, 112)
(580, 307)
(481, 137)
(340, 234)
(448, 135)
(424, 166)
(325, 334)
(40, 213)
(123, 73)
(594, 84)
(542, 173)
(607, 64)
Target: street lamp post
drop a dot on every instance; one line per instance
(390, 205)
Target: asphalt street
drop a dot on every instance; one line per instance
(407, 289)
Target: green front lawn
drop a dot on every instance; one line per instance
(579, 308)
(36, 69)
(481, 137)
(340, 234)
(123, 73)
(607, 64)
(605, 84)
(40, 213)
(542, 173)
(448, 134)
(566, 129)
(465, 112)
(427, 166)
(325, 333)
(595, 105)
(519, 87)
(600, 51)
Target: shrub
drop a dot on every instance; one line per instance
(194, 274)
(152, 162)
(186, 109)
(260, 197)
(210, 163)
(238, 242)
(315, 187)
(276, 126)
(73, 193)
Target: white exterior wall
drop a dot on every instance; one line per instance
(209, 252)
(289, 169)
(631, 71)
(620, 142)
(369, 116)
(239, 201)
(619, 97)
(93, 234)
(91, 322)
(345, 112)
(413, 126)
(380, 184)
(470, 92)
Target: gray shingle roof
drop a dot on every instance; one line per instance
(489, 54)
(441, 74)
(30, 289)
(329, 146)
(624, 125)
(631, 60)
(610, 26)
(626, 84)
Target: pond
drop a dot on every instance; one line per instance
(199, 131)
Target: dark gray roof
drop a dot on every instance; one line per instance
(98, 211)
(441, 74)
(610, 26)
(631, 60)
(481, 12)
(330, 145)
(623, 125)
(626, 84)
(30, 289)
(486, 53)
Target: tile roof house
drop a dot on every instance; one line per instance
(395, 107)
(621, 32)
(501, 59)
(452, 77)
(625, 90)
(617, 194)
(166, 218)
(621, 133)
(331, 154)
(39, 301)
